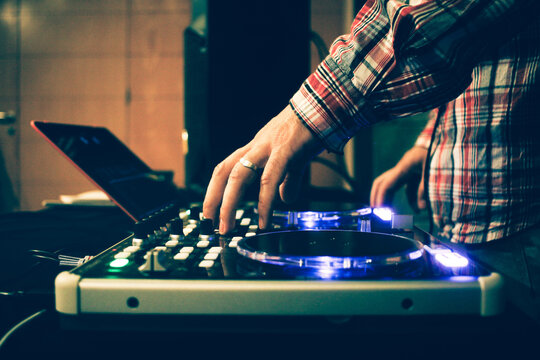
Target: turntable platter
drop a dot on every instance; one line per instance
(341, 253)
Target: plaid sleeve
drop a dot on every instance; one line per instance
(400, 59)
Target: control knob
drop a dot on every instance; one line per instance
(140, 232)
(206, 227)
(176, 227)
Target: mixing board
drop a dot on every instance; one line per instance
(353, 262)
(358, 262)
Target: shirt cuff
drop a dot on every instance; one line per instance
(331, 106)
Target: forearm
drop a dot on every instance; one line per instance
(399, 60)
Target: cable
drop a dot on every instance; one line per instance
(427, 168)
(318, 41)
(61, 260)
(22, 323)
(340, 168)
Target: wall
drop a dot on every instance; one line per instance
(329, 19)
(112, 63)
(115, 63)
(9, 100)
(118, 64)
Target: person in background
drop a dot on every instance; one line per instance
(474, 62)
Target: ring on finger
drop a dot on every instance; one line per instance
(251, 166)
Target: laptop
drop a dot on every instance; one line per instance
(113, 168)
(324, 264)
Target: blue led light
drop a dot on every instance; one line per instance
(363, 211)
(447, 257)
(326, 273)
(309, 224)
(319, 220)
(383, 213)
(451, 259)
(463, 278)
(416, 254)
(310, 215)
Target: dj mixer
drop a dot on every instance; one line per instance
(351, 262)
(309, 263)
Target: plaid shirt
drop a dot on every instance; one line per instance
(475, 62)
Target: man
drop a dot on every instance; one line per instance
(476, 61)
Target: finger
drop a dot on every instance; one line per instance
(239, 178)
(383, 190)
(214, 191)
(217, 184)
(384, 195)
(373, 196)
(421, 195)
(272, 176)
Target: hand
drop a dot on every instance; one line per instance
(283, 148)
(408, 171)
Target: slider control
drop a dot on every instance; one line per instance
(155, 261)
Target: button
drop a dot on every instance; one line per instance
(203, 243)
(119, 263)
(239, 214)
(131, 249)
(234, 241)
(122, 255)
(245, 221)
(186, 249)
(248, 234)
(181, 256)
(137, 242)
(253, 227)
(206, 263)
(171, 243)
(215, 249)
(211, 256)
(451, 259)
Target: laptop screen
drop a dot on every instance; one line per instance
(111, 166)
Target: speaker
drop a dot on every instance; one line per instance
(243, 62)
